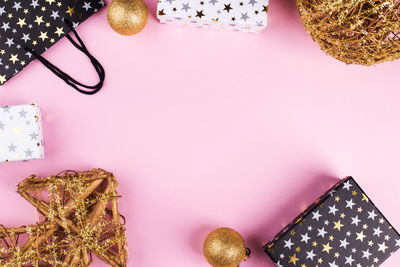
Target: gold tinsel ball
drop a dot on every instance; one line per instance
(224, 247)
(127, 17)
(354, 31)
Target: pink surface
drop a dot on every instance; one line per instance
(210, 128)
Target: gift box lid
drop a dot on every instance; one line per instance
(341, 228)
(244, 15)
(20, 133)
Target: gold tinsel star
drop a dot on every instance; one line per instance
(80, 217)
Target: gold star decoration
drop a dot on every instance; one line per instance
(227, 7)
(2, 51)
(21, 22)
(360, 236)
(17, 130)
(14, 58)
(337, 255)
(364, 198)
(320, 260)
(354, 192)
(200, 14)
(59, 4)
(43, 8)
(81, 218)
(298, 249)
(2, 79)
(342, 215)
(314, 244)
(337, 198)
(359, 210)
(50, 1)
(43, 35)
(71, 10)
(10, 15)
(338, 225)
(161, 12)
(293, 259)
(59, 31)
(326, 248)
(39, 20)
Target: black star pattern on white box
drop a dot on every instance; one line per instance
(342, 228)
(240, 15)
(37, 25)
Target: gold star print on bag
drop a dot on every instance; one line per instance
(29, 27)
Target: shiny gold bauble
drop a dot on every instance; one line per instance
(224, 247)
(127, 17)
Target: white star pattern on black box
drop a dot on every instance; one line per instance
(20, 133)
(342, 228)
(37, 25)
(246, 15)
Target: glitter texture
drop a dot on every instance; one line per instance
(354, 31)
(224, 247)
(127, 17)
(81, 217)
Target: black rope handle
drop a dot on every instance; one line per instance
(248, 253)
(68, 79)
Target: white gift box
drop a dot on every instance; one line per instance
(20, 133)
(246, 15)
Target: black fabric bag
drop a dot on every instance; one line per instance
(29, 27)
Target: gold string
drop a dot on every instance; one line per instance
(354, 31)
(79, 219)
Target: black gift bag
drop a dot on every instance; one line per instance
(29, 27)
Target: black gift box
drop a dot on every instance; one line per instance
(341, 228)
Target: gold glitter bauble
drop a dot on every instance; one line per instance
(354, 31)
(224, 247)
(127, 17)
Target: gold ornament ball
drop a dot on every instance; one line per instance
(127, 17)
(224, 247)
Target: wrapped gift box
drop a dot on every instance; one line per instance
(20, 133)
(341, 228)
(246, 15)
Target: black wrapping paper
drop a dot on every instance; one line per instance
(341, 228)
(36, 24)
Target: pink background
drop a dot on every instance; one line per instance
(209, 128)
